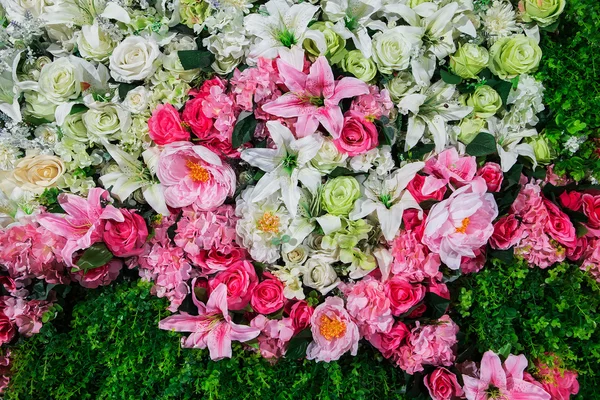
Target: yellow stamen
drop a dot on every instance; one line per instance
(332, 328)
(268, 223)
(463, 227)
(197, 172)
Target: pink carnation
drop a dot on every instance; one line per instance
(369, 305)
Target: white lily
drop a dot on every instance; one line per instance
(10, 90)
(388, 198)
(508, 143)
(284, 27)
(430, 110)
(352, 18)
(83, 12)
(133, 176)
(285, 166)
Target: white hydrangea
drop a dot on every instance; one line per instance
(379, 159)
(229, 44)
(527, 101)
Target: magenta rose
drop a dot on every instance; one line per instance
(415, 187)
(165, 126)
(508, 232)
(571, 200)
(126, 239)
(559, 226)
(358, 135)
(388, 343)
(300, 314)
(576, 253)
(215, 260)
(240, 279)
(403, 295)
(7, 329)
(267, 296)
(100, 276)
(195, 118)
(492, 174)
(442, 385)
(591, 209)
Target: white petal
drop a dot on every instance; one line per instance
(155, 196)
(329, 223)
(115, 11)
(266, 186)
(362, 208)
(207, 155)
(415, 131)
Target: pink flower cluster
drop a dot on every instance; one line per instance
(21, 315)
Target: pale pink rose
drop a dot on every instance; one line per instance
(358, 135)
(165, 126)
(267, 296)
(403, 295)
(126, 238)
(240, 279)
(333, 330)
(442, 385)
(389, 342)
(461, 224)
(492, 173)
(194, 174)
(508, 232)
(300, 314)
(369, 305)
(448, 167)
(100, 276)
(275, 335)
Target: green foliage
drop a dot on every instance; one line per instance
(535, 311)
(569, 69)
(111, 348)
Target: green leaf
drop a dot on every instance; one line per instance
(505, 256)
(94, 257)
(192, 59)
(580, 229)
(504, 351)
(244, 129)
(515, 81)
(512, 176)
(125, 88)
(503, 88)
(78, 108)
(298, 345)
(482, 145)
(436, 305)
(417, 152)
(449, 77)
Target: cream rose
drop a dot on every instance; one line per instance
(134, 59)
(319, 274)
(60, 81)
(137, 100)
(36, 173)
(393, 48)
(94, 44)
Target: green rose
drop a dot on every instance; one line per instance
(359, 66)
(470, 128)
(400, 85)
(515, 55)
(393, 48)
(193, 12)
(60, 81)
(336, 45)
(339, 195)
(544, 12)
(38, 106)
(543, 153)
(484, 100)
(106, 122)
(469, 60)
(74, 128)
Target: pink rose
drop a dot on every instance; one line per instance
(492, 173)
(333, 330)
(219, 259)
(559, 226)
(240, 279)
(195, 118)
(571, 200)
(559, 383)
(415, 187)
(442, 385)
(358, 135)
(267, 296)
(459, 225)
(591, 209)
(508, 232)
(403, 295)
(165, 126)
(471, 265)
(448, 167)
(7, 329)
(194, 174)
(389, 342)
(300, 314)
(576, 252)
(100, 276)
(127, 238)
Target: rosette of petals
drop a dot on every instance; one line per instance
(369, 306)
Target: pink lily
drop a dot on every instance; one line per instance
(212, 327)
(314, 98)
(502, 382)
(83, 224)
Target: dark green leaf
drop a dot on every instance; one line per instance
(341, 171)
(94, 257)
(503, 88)
(505, 256)
(417, 152)
(125, 88)
(297, 347)
(244, 129)
(580, 229)
(192, 59)
(78, 108)
(482, 145)
(449, 77)
(436, 305)
(512, 176)
(504, 351)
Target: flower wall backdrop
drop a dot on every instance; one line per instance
(306, 179)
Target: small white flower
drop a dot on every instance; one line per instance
(500, 21)
(508, 143)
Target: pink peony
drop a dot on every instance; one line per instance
(492, 173)
(165, 126)
(194, 117)
(403, 295)
(333, 330)
(448, 167)
(267, 296)
(358, 135)
(369, 305)
(460, 224)
(442, 385)
(126, 238)
(240, 280)
(194, 175)
(508, 232)
(100, 276)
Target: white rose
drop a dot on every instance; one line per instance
(47, 132)
(134, 59)
(94, 44)
(328, 157)
(181, 42)
(393, 48)
(60, 81)
(136, 101)
(74, 128)
(38, 106)
(320, 275)
(296, 256)
(17, 9)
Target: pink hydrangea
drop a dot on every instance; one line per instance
(529, 204)
(220, 107)
(413, 260)
(373, 105)
(100, 276)
(459, 225)
(25, 314)
(591, 263)
(194, 174)
(275, 335)
(539, 249)
(333, 330)
(448, 167)
(369, 306)
(5, 370)
(256, 85)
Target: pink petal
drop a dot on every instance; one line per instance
(113, 213)
(491, 370)
(59, 225)
(347, 87)
(180, 323)
(95, 195)
(320, 80)
(523, 390)
(219, 342)
(515, 365)
(243, 333)
(294, 80)
(289, 105)
(332, 120)
(217, 303)
(75, 206)
(306, 125)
